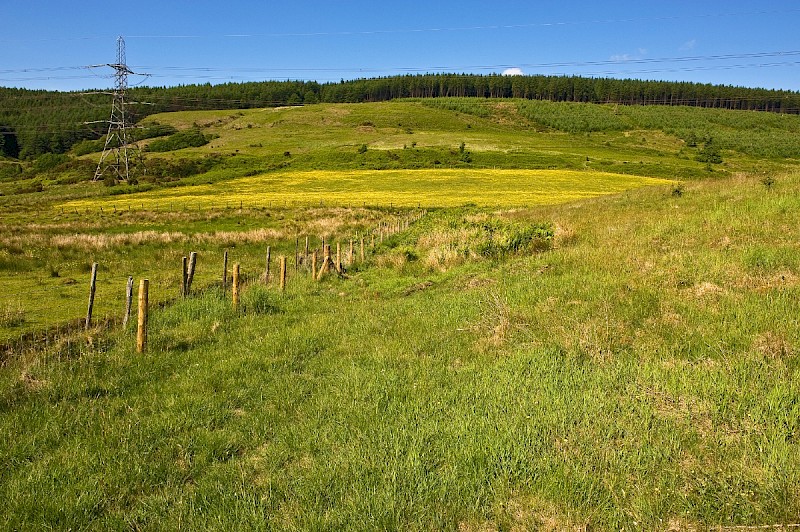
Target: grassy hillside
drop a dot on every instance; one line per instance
(48, 122)
(640, 374)
(627, 360)
(451, 133)
(653, 141)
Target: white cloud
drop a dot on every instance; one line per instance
(513, 72)
(640, 54)
(688, 45)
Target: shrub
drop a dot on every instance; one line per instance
(164, 170)
(192, 138)
(487, 237)
(85, 147)
(501, 237)
(709, 154)
(49, 161)
(9, 171)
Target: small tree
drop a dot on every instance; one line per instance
(310, 97)
(710, 153)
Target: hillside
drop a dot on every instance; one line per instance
(33, 123)
(622, 354)
(667, 142)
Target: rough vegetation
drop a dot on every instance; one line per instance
(621, 361)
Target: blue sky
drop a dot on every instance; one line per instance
(45, 44)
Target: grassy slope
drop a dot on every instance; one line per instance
(45, 267)
(514, 134)
(641, 374)
(323, 137)
(328, 137)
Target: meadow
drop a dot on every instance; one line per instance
(380, 188)
(617, 356)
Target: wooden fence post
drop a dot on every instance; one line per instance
(338, 264)
(128, 301)
(326, 262)
(269, 259)
(235, 287)
(283, 274)
(141, 333)
(224, 273)
(92, 286)
(352, 257)
(314, 265)
(184, 276)
(362, 249)
(305, 257)
(190, 272)
(296, 254)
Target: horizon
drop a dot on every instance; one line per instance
(332, 82)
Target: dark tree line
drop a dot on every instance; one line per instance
(563, 89)
(36, 122)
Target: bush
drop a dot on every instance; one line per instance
(192, 138)
(29, 188)
(501, 237)
(85, 147)
(164, 170)
(49, 161)
(9, 171)
(154, 130)
(709, 154)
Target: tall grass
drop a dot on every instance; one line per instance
(641, 374)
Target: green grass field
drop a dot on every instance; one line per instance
(637, 370)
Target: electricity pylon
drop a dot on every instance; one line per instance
(126, 153)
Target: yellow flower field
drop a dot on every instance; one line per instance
(409, 188)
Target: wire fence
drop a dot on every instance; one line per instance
(40, 313)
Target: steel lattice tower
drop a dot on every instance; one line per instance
(126, 154)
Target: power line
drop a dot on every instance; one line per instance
(488, 27)
(461, 68)
(679, 59)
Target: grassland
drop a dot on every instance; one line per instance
(45, 267)
(401, 188)
(637, 371)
